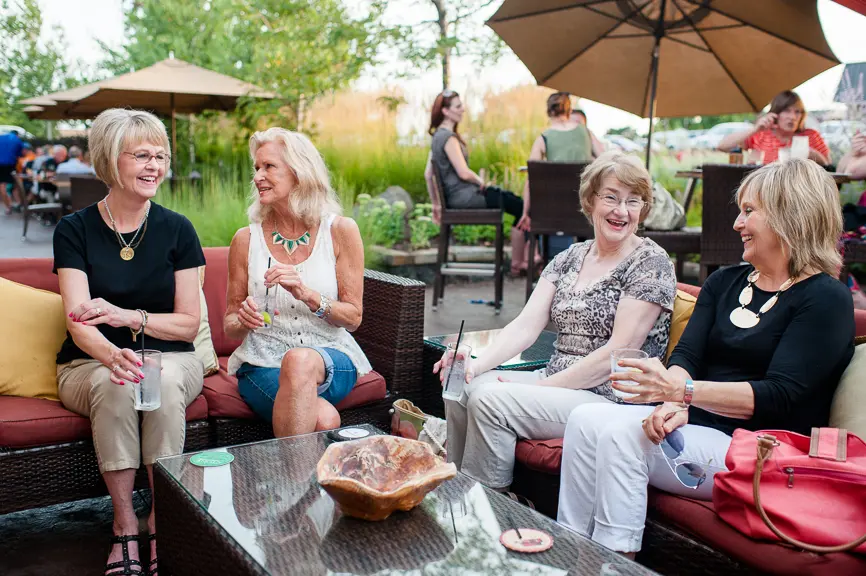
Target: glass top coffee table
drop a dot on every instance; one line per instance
(265, 514)
(536, 356)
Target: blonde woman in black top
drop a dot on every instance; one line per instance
(764, 349)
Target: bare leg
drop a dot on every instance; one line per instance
(296, 407)
(328, 417)
(120, 484)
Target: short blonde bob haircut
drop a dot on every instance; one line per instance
(801, 204)
(625, 168)
(116, 130)
(313, 196)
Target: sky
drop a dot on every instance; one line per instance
(86, 21)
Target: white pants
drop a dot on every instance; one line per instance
(483, 427)
(607, 463)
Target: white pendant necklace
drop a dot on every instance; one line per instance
(742, 317)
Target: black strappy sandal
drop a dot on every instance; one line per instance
(128, 567)
(521, 499)
(152, 569)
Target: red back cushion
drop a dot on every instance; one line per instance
(216, 280)
(35, 272)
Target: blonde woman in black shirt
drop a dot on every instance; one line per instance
(764, 349)
(128, 269)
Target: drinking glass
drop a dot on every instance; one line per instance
(784, 154)
(265, 307)
(455, 377)
(615, 357)
(754, 157)
(146, 393)
(800, 147)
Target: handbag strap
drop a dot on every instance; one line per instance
(766, 443)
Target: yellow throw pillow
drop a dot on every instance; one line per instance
(32, 328)
(684, 305)
(204, 349)
(847, 410)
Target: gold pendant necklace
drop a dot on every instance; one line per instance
(742, 317)
(127, 250)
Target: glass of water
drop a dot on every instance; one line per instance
(265, 307)
(455, 375)
(146, 393)
(615, 357)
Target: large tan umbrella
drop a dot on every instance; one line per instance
(166, 88)
(666, 58)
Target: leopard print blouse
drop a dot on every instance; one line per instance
(584, 318)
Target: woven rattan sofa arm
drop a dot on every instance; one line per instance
(392, 330)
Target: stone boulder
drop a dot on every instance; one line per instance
(397, 194)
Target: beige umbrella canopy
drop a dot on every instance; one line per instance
(712, 56)
(166, 88)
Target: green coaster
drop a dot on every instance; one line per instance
(211, 459)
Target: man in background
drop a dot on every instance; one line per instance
(75, 165)
(11, 149)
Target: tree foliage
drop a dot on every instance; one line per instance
(297, 49)
(30, 65)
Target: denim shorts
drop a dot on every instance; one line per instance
(258, 386)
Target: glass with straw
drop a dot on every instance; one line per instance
(146, 394)
(457, 355)
(263, 305)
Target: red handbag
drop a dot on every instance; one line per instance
(807, 492)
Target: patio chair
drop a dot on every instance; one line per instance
(38, 207)
(554, 207)
(721, 245)
(86, 190)
(466, 217)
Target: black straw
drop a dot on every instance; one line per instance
(267, 287)
(454, 359)
(513, 525)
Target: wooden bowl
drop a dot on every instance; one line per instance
(372, 477)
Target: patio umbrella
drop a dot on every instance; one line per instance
(855, 5)
(166, 88)
(666, 58)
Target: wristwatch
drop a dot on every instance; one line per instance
(324, 305)
(689, 392)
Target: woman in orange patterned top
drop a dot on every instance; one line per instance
(777, 128)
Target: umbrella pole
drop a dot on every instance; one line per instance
(659, 33)
(173, 129)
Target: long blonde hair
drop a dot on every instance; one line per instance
(801, 202)
(313, 196)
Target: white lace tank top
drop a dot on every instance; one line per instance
(295, 326)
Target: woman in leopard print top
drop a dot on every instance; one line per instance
(615, 291)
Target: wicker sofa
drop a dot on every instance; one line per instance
(684, 536)
(46, 452)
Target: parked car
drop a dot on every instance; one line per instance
(22, 133)
(615, 141)
(711, 138)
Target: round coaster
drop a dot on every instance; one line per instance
(207, 459)
(352, 433)
(532, 541)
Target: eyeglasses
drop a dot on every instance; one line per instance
(690, 474)
(612, 201)
(143, 157)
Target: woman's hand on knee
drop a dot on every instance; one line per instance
(665, 419)
(125, 366)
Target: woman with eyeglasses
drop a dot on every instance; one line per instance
(764, 349)
(615, 291)
(128, 273)
(449, 159)
(776, 129)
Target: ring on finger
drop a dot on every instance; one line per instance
(98, 311)
(115, 368)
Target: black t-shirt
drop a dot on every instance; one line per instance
(793, 358)
(85, 242)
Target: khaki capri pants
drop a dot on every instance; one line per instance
(85, 388)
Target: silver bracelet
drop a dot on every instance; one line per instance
(324, 306)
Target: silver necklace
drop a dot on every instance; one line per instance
(127, 250)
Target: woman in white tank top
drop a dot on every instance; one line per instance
(309, 260)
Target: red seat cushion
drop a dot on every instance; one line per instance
(224, 400)
(699, 519)
(540, 455)
(28, 422)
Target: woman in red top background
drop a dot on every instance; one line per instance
(777, 128)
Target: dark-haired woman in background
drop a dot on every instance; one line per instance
(462, 187)
(777, 128)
